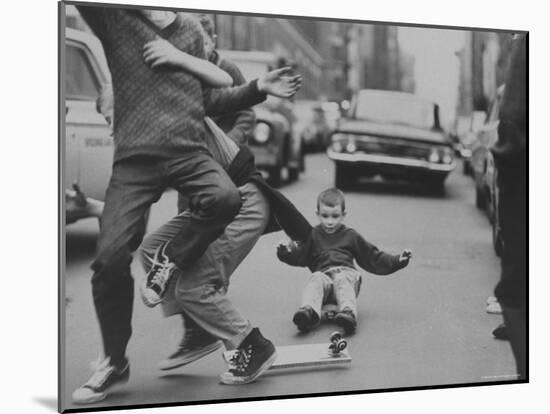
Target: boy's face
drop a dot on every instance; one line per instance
(331, 218)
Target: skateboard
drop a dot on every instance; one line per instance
(307, 355)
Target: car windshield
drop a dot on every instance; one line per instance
(394, 108)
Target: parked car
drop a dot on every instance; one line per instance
(88, 141)
(467, 138)
(393, 134)
(315, 121)
(484, 171)
(275, 144)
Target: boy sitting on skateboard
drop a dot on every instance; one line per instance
(329, 253)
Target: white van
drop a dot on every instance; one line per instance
(87, 140)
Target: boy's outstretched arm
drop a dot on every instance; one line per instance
(160, 52)
(375, 261)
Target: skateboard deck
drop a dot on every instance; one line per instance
(307, 355)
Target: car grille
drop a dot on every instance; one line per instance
(393, 147)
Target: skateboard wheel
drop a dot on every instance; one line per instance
(335, 336)
(341, 345)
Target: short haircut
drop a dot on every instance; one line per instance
(207, 24)
(332, 198)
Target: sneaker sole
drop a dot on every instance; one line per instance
(99, 396)
(192, 358)
(146, 301)
(241, 381)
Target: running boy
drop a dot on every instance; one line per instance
(329, 253)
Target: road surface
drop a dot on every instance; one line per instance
(425, 325)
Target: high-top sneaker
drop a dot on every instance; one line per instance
(306, 319)
(155, 283)
(253, 357)
(346, 319)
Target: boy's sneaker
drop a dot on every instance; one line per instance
(306, 319)
(155, 283)
(253, 357)
(105, 378)
(196, 344)
(346, 319)
(500, 332)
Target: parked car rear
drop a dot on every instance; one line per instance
(275, 145)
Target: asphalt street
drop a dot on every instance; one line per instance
(425, 325)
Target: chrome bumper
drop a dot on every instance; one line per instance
(388, 160)
(78, 206)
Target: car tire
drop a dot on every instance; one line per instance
(466, 168)
(481, 202)
(275, 176)
(293, 174)
(344, 178)
(498, 243)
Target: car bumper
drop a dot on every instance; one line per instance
(265, 156)
(78, 206)
(374, 160)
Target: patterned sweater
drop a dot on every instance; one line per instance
(158, 111)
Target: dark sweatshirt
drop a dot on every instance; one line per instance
(322, 251)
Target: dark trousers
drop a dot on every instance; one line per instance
(511, 289)
(135, 184)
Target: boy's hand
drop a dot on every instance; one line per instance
(279, 83)
(286, 247)
(161, 52)
(405, 256)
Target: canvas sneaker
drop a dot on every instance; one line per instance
(346, 319)
(105, 378)
(252, 358)
(156, 281)
(196, 343)
(306, 319)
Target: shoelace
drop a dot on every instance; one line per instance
(162, 274)
(241, 359)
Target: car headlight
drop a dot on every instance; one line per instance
(262, 132)
(337, 146)
(350, 146)
(447, 155)
(434, 155)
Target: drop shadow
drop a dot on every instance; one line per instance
(47, 402)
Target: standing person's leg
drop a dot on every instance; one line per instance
(213, 200)
(135, 184)
(204, 296)
(201, 290)
(315, 294)
(511, 291)
(196, 342)
(210, 275)
(347, 283)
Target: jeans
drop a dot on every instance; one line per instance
(135, 184)
(200, 291)
(338, 285)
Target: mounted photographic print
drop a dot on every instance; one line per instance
(259, 207)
